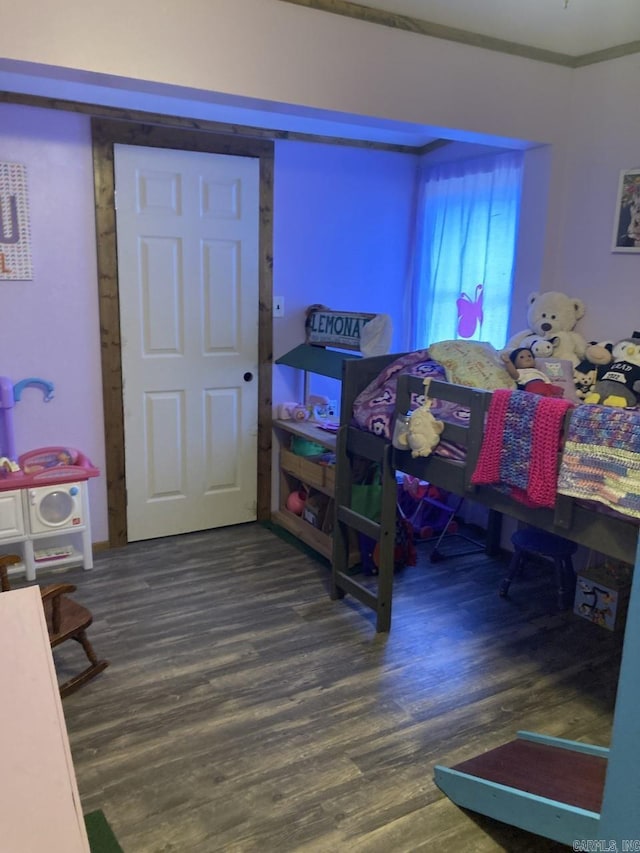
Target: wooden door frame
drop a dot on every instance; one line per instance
(105, 133)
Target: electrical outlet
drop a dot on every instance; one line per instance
(278, 306)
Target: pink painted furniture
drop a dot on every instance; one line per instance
(40, 805)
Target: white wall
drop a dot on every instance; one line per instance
(605, 134)
(279, 52)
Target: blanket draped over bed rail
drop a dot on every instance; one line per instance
(508, 457)
(601, 459)
(519, 453)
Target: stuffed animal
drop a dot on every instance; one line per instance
(553, 315)
(540, 347)
(585, 374)
(600, 353)
(620, 383)
(585, 377)
(521, 366)
(424, 431)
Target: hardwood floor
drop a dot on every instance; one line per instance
(245, 711)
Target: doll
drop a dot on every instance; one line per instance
(521, 366)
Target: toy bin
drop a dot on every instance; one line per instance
(602, 594)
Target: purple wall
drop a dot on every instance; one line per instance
(50, 327)
(341, 237)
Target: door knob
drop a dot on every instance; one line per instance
(248, 376)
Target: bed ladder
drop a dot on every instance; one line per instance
(378, 593)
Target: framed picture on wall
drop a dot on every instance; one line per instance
(626, 232)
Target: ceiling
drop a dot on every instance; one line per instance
(572, 28)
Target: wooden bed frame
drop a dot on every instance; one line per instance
(609, 534)
(476, 784)
(613, 535)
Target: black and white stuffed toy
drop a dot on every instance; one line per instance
(619, 385)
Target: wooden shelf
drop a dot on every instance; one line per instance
(311, 536)
(316, 478)
(296, 470)
(310, 430)
(313, 474)
(307, 533)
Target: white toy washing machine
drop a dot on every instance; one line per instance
(60, 506)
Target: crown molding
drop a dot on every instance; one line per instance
(407, 23)
(606, 54)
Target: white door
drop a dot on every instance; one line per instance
(187, 237)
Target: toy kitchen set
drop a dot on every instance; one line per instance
(44, 504)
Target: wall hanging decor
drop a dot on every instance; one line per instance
(626, 232)
(15, 234)
(470, 314)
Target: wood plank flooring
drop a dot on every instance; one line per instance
(245, 711)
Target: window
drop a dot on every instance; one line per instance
(467, 224)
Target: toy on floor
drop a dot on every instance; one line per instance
(404, 551)
(431, 514)
(597, 606)
(425, 508)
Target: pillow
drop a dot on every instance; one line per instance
(473, 363)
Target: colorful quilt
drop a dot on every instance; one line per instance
(374, 408)
(521, 444)
(601, 459)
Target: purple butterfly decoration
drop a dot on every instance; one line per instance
(469, 313)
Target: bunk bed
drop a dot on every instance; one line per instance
(476, 784)
(582, 522)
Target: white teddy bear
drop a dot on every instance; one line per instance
(553, 315)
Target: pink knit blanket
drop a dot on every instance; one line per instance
(520, 448)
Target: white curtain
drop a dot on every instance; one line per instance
(466, 229)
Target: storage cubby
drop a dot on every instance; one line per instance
(305, 473)
(311, 473)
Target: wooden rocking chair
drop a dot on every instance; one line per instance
(66, 620)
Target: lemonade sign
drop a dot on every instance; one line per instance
(336, 328)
